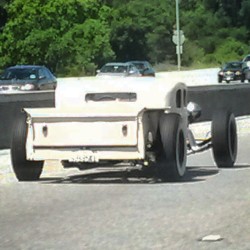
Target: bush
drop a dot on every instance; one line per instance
(230, 50)
(192, 53)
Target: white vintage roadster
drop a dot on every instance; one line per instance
(137, 120)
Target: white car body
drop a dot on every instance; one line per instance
(79, 129)
(139, 121)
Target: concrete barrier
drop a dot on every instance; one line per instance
(11, 106)
(233, 97)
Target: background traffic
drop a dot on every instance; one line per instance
(235, 71)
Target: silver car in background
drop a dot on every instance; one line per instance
(119, 69)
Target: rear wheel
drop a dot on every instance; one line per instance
(172, 159)
(24, 170)
(224, 139)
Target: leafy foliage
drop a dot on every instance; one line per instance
(60, 34)
(219, 28)
(143, 30)
(74, 37)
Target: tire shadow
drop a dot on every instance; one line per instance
(144, 175)
(237, 167)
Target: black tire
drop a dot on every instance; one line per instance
(224, 139)
(24, 170)
(219, 79)
(227, 81)
(172, 160)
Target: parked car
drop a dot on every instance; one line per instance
(144, 67)
(246, 67)
(231, 71)
(108, 121)
(118, 69)
(26, 78)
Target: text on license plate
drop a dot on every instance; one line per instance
(84, 158)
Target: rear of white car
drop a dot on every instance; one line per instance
(100, 120)
(97, 120)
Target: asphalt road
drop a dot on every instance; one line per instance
(120, 209)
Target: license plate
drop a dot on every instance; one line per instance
(84, 157)
(228, 78)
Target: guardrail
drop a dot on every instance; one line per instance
(211, 97)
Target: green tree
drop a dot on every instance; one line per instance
(230, 50)
(232, 9)
(64, 35)
(212, 29)
(143, 30)
(76, 36)
(244, 13)
(3, 13)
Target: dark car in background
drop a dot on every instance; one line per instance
(231, 71)
(144, 67)
(118, 69)
(27, 78)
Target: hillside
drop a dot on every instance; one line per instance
(75, 37)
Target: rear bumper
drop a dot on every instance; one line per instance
(86, 155)
(232, 77)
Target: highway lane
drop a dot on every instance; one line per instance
(107, 209)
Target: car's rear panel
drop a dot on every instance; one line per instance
(78, 132)
(84, 137)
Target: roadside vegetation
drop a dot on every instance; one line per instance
(75, 37)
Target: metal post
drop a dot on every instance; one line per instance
(178, 35)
